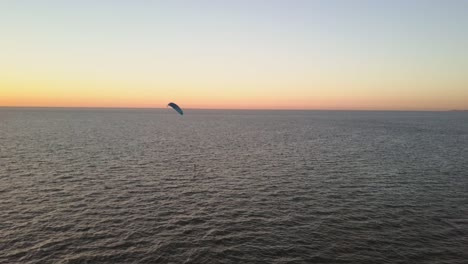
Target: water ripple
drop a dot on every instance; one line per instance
(140, 186)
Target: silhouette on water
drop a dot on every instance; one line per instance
(177, 108)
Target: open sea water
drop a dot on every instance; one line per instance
(151, 186)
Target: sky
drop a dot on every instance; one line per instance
(239, 54)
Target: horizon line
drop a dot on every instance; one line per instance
(240, 109)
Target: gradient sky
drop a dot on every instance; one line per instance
(290, 54)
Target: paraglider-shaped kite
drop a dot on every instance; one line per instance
(176, 107)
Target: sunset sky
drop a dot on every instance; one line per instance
(269, 54)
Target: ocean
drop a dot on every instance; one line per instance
(232, 186)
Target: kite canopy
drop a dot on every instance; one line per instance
(176, 107)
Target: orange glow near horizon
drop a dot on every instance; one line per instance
(43, 92)
(121, 98)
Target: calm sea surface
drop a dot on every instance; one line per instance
(150, 186)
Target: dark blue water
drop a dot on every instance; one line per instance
(150, 186)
